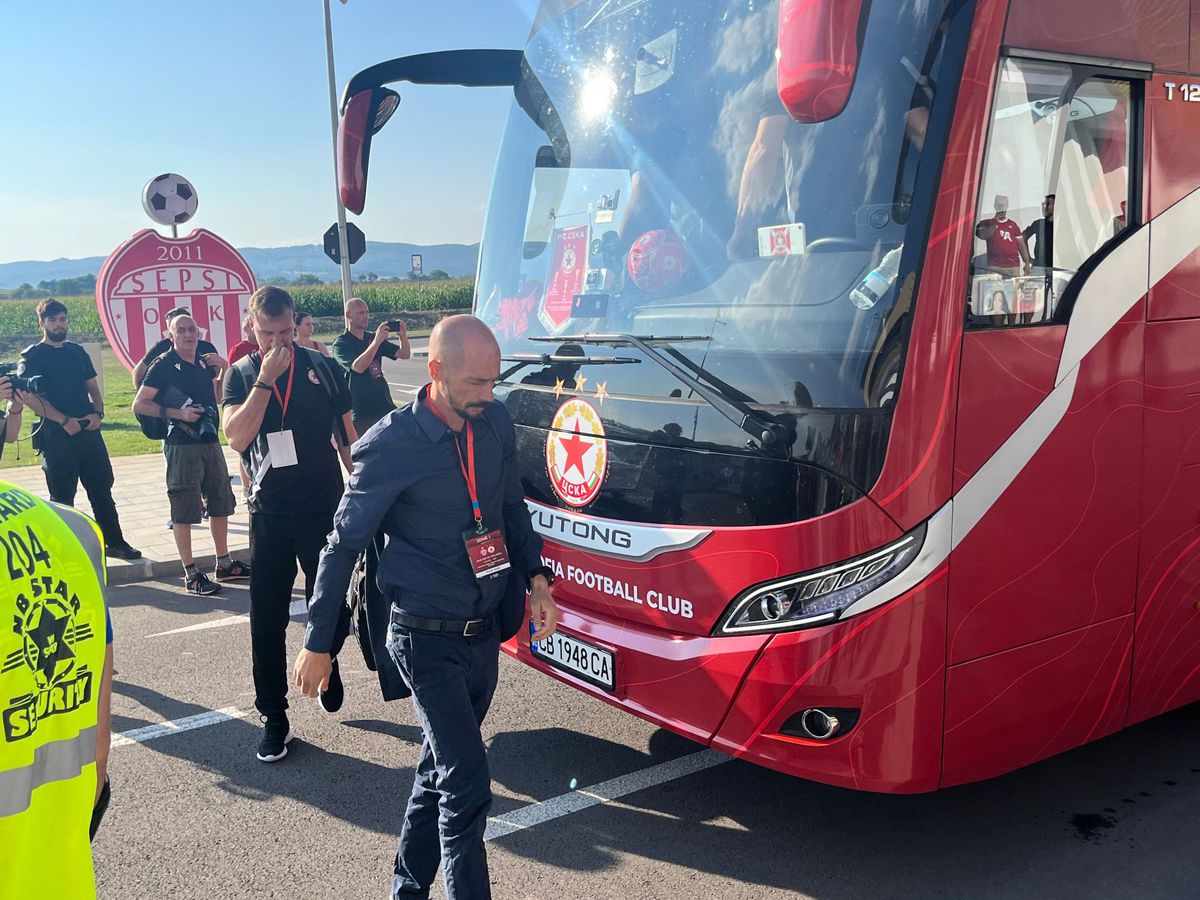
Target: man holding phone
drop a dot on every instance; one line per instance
(362, 358)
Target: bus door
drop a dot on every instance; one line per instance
(1048, 437)
(1166, 659)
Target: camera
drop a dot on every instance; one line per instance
(32, 385)
(204, 427)
(209, 423)
(393, 324)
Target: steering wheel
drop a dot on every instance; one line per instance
(830, 243)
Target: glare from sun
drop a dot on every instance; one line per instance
(596, 98)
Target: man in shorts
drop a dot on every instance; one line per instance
(180, 388)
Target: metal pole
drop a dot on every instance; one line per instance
(347, 292)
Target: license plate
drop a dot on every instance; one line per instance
(581, 659)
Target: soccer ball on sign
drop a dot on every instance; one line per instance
(169, 199)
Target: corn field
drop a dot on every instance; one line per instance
(326, 299)
(19, 317)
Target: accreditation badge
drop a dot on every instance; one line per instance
(486, 551)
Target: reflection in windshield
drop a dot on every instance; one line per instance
(676, 195)
(1056, 178)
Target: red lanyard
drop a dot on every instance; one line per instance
(286, 398)
(467, 465)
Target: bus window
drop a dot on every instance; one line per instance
(1056, 188)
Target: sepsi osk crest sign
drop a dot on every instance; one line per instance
(577, 452)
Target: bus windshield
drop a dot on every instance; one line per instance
(652, 182)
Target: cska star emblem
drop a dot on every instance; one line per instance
(577, 452)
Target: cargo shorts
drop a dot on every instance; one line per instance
(196, 471)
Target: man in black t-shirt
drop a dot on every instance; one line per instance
(180, 388)
(71, 406)
(1042, 230)
(205, 351)
(362, 360)
(285, 408)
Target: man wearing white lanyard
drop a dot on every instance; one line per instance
(441, 479)
(283, 408)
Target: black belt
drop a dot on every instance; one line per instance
(465, 627)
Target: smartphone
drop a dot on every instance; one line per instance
(393, 325)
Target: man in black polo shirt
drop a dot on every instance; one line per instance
(285, 407)
(362, 359)
(442, 481)
(181, 388)
(71, 407)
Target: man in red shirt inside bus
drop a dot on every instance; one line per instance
(1007, 252)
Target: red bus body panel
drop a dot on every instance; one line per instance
(1070, 609)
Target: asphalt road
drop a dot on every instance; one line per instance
(406, 376)
(195, 814)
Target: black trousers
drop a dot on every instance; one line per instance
(277, 543)
(69, 460)
(452, 679)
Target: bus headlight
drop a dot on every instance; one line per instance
(820, 597)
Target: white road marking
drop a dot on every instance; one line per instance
(202, 626)
(604, 792)
(298, 608)
(150, 732)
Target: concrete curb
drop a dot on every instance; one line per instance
(122, 571)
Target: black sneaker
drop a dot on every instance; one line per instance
(200, 584)
(235, 571)
(273, 746)
(122, 550)
(331, 698)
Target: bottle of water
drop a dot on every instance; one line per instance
(877, 282)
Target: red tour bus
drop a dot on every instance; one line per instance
(852, 350)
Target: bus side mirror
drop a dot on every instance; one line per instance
(364, 114)
(819, 44)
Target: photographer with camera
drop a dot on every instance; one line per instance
(181, 388)
(362, 358)
(67, 398)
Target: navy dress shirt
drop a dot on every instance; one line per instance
(408, 479)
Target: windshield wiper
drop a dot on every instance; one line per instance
(549, 359)
(726, 400)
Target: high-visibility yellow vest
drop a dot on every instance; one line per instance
(52, 640)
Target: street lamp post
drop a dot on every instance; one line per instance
(333, 124)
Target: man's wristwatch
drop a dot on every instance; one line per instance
(545, 571)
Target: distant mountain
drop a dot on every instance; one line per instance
(14, 274)
(383, 258)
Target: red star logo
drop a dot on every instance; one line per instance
(575, 449)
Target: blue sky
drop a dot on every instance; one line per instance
(100, 97)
